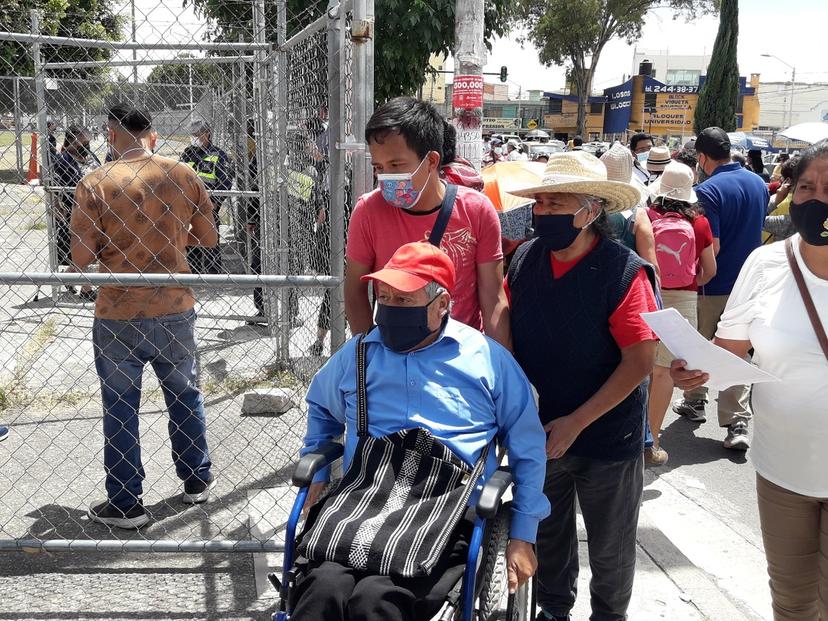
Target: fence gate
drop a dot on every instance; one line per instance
(285, 95)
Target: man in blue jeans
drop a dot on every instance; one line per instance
(139, 213)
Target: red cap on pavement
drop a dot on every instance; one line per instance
(415, 265)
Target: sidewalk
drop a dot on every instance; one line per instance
(234, 587)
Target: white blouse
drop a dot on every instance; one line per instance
(790, 439)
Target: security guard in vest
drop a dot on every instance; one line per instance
(215, 169)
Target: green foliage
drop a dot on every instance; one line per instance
(573, 33)
(85, 19)
(407, 32)
(719, 96)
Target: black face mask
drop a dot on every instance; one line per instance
(403, 327)
(83, 150)
(810, 219)
(556, 232)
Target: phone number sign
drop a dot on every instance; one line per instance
(467, 91)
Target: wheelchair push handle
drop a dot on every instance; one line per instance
(492, 494)
(314, 461)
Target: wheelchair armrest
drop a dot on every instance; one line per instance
(313, 462)
(492, 494)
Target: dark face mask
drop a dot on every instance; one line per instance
(83, 150)
(810, 219)
(403, 327)
(556, 232)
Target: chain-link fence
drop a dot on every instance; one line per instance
(128, 399)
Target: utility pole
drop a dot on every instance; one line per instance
(467, 95)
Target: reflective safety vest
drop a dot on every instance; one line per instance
(299, 185)
(210, 177)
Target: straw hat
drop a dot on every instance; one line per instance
(658, 158)
(676, 182)
(579, 172)
(619, 162)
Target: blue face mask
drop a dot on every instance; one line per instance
(402, 328)
(398, 189)
(642, 157)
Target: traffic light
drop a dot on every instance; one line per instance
(504, 73)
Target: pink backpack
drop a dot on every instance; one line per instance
(675, 242)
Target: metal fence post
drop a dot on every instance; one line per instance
(336, 112)
(18, 132)
(363, 80)
(280, 150)
(43, 145)
(266, 220)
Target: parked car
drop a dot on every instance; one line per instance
(536, 149)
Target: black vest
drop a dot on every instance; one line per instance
(561, 338)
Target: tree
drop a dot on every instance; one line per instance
(170, 83)
(407, 32)
(719, 94)
(575, 32)
(85, 19)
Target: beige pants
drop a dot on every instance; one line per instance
(734, 403)
(795, 533)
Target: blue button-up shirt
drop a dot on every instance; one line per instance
(464, 388)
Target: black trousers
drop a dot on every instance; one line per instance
(332, 592)
(609, 494)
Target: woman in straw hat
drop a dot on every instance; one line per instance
(684, 248)
(577, 298)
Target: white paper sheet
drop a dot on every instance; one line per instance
(685, 342)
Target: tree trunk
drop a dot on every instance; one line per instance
(583, 84)
(469, 58)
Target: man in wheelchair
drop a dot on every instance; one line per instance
(435, 393)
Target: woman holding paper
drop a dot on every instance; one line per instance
(684, 249)
(779, 307)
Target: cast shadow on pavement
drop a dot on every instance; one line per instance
(687, 448)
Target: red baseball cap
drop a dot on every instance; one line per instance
(415, 265)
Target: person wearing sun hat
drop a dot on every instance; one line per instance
(423, 370)
(657, 160)
(631, 227)
(576, 301)
(684, 247)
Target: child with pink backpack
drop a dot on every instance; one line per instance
(686, 260)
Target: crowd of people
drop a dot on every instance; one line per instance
(550, 359)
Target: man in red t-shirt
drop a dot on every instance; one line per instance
(405, 137)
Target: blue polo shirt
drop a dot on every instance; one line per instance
(735, 201)
(464, 388)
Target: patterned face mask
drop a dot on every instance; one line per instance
(398, 189)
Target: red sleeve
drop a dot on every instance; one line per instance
(489, 244)
(704, 236)
(508, 293)
(626, 325)
(359, 246)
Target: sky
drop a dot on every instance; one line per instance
(793, 33)
(793, 30)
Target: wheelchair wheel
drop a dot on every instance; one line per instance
(492, 575)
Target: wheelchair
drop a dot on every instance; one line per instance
(477, 596)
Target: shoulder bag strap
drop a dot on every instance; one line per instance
(806, 298)
(362, 398)
(443, 218)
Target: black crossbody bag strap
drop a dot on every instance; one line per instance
(810, 307)
(362, 396)
(443, 218)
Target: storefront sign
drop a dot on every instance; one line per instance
(618, 110)
(467, 91)
(492, 123)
